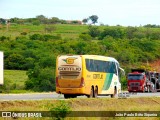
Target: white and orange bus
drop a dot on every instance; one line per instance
(89, 75)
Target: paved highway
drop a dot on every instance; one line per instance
(53, 95)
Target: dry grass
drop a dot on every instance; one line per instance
(83, 104)
(103, 104)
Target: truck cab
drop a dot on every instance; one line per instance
(136, 81)
(140, 80)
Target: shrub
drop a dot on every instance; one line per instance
(36, 37)
(50, 29)
(40, 79)
(93, 31)
(15, 61)
(51, 37)
(85, 37)
(60, 110)
(113, 32)
(23, 33)
(37, 22)
(2, 38)
(45, 37)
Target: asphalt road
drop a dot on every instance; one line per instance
(53, 95)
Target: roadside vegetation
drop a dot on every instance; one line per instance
(14, 81)
(32, 45)
(63, 107)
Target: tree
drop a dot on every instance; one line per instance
(41, 76)
(94, 18)
(85, 20)
(14, 20)
(15, 61)
(2, 21)
(42, 19)
(93, 31)
(54, 20)
(130, 32)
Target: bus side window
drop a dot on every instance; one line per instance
(91, 65)
(103, 66)
(106, 66)
(95, 66)
(99, 65)
(110, 70)
(87, 64)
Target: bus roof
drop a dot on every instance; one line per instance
(98, 57)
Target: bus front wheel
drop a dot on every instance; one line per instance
(114, 94)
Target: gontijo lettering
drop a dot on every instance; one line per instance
(69, 68)
(97, 76)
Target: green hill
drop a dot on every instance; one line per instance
(35, 48)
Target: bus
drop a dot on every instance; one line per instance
(89, 75)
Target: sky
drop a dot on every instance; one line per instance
(109, 12)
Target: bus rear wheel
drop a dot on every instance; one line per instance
(96, 92)
(91, 95)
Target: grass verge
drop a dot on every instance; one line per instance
(83, 104)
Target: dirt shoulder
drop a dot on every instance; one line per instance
(155, 65)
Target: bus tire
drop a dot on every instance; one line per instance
(96, 92)
(115, 93)
(66, 96)
(91, 95)
(74, 96)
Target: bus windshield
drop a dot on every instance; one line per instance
(135, 77)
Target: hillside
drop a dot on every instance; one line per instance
(155, 65)
(34, 48)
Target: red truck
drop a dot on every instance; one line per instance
(140, 80)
